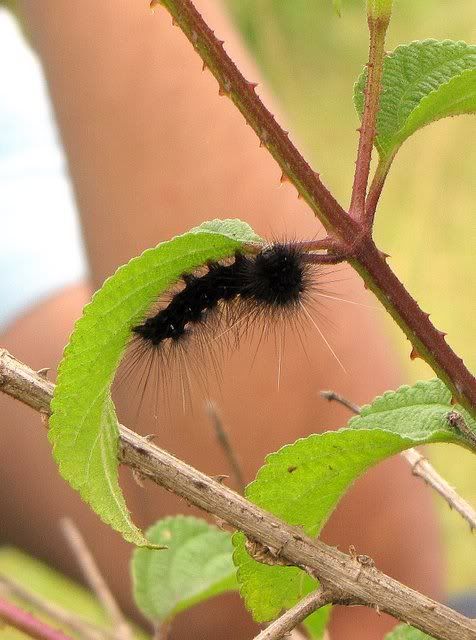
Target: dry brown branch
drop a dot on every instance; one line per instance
(333, 568)
(289, 620)
(423, 469)
(94, 578)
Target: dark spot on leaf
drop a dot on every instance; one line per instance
(291, 469)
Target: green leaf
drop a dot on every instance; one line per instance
(404, 632)
(197, 566)
(303, 482)
(40, 580)
(414, 412)
(422, 82)
(84, 429)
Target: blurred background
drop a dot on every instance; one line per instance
(310, 58)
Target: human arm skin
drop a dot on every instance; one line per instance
(153, 150)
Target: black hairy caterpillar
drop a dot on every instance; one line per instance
(224, 301)
(274, 280)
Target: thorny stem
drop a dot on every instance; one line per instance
(352, 238)
(377, 29)
(338, 571)
(421, 468)
(26, 622)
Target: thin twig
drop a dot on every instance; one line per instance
(421, 468)
(93, 576)
(330, 566)
(26, 622)
(63, 617)
(225, 443)
(332, 395)
(294, 616)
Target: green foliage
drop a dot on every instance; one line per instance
(404, 632)
(40, 580)
(84, 429)
(414, 412)
(303, 482)
(197, 566)
(422, 82)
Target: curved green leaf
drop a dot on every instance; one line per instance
(84, 430)
(422, 82)
(303, 482)
(197, 566)
(405, 632)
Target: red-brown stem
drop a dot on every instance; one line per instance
(324, 258)
(377, 29)
(24, 621)
(376, 187)
(427, 341)
(352, 238)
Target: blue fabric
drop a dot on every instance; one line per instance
(40, 240)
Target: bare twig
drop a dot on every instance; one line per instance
(93, 576)
(26, 622)
(289, 620)
(63, 617)
(421, 468)
(330, 566)
(225, 443)
(332, 395)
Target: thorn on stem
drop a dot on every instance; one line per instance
(414, 354)
(154, 4)
(284, 178)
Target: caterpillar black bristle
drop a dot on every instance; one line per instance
(274, 280)
(217, 306)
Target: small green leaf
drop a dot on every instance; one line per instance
(422, 82)
(302, 483)
(83, 426)
(197, 566)
(404, 632)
